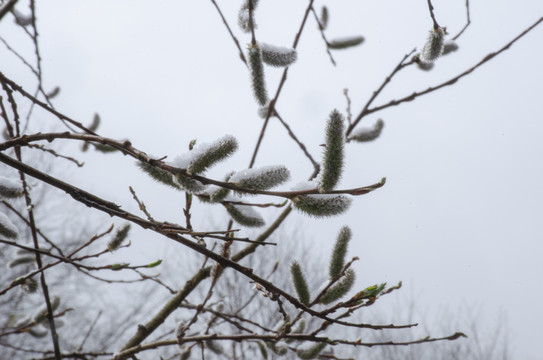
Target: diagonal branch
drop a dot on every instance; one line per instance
(452, 81)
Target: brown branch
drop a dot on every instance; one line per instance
(43, 105)
(19, 56)
(402, 64)
(431, 9)
(321, 29)
(452, 81)
(127, 148)
(273, 338)
(468, 22)
(316, 165)
(7, 8)
(241, 55)
(101, 205)
(271, 106)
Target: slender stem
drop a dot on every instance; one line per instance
(431, 9)
(271, 106)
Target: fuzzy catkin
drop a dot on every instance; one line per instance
(340, 289)
(322, 205)
(366, 135)
(189, 185)
(434, 45)
(258, 81)
(7, 229)
(263, 178)
(299, 282)
(345, 43)
(332, 163)
(207, 155)
(158, 174)
(244, 215)
(119, 238)
(324, 18)
(10, 188)
(449, 47)
(311, 352)
(340, 251)
(277, 56)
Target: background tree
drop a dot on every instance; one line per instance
(317, 199)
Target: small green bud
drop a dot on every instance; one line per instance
(299, 282)
(154, 264)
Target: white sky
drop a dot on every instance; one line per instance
(459, 219)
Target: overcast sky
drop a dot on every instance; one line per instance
(459, 220)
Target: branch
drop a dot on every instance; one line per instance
(402, 64)
(7, 8)
(431, 9)
(452, 81)
(241, 55)
(272, 103)
(273, 338)
(468, 22)
(126, 148)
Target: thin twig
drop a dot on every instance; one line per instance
(452, 81)
(241, 55)
(402, 64)
(468, 22)
(271, 106)
(321, 29)
(431, 9)
(127, 148)
(273, 338)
